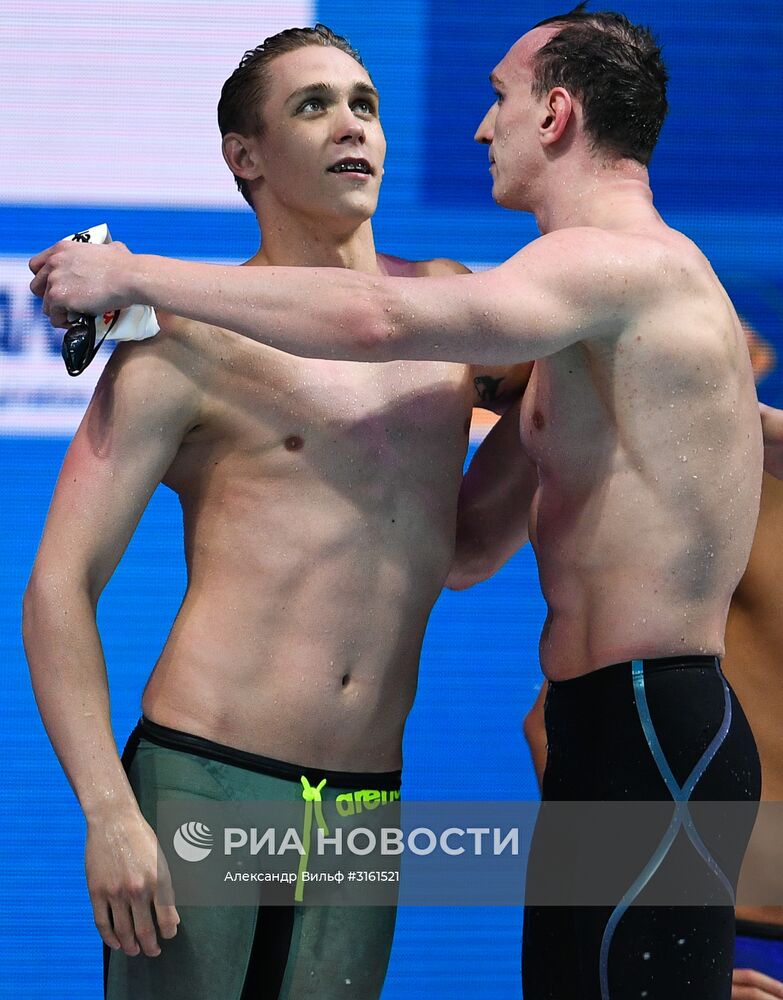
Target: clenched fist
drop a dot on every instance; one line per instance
(82, 278)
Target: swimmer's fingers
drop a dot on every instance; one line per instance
(747, 984)
(53, 304)
(58, 316)
(163, 901)
(36, 263)
(167, 918)
(123, 924)
(39, 282)
(81, 278)
(141, 910)
(121, 861)
(42, 289)
(102, 917)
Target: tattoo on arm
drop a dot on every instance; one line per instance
(487, 388)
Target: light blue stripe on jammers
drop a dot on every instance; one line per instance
(681, 817)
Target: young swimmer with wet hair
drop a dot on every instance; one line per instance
(319, 502)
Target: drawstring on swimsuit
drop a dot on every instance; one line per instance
(312, 799)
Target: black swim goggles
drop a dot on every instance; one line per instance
(79, 347)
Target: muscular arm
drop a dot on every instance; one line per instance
(494, 504)
(772, 428)
(495, 388)
(127, 439)
(553, 293)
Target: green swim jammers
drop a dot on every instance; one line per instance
(295, 952)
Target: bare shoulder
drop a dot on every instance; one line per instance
(183, 336)
(438, 267)
(610, 268)
(595, 252)
(195, 349)
(163, 373)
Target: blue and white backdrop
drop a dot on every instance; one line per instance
(107, 113)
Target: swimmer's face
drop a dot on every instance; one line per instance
(322, 148)
(512, 126)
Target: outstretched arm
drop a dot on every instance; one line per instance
(772, 428)
(123, 447)
(494, 504)
(551, 294)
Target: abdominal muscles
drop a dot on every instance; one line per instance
(300, 632)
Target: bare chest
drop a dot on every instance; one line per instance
(563, 417)
(272, 413)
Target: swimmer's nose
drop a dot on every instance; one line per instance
(486, 130)
(348, 128)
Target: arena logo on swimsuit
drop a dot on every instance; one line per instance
(352, 803)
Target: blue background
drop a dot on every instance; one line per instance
(715, 177)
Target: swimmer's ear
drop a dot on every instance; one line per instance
(242, 156)
(556, 113)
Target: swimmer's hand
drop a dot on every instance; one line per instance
(772, 429)
(747, 984)
(82, 278)
(128, 882)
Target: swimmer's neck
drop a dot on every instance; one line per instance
(610, 196)
(293, 241)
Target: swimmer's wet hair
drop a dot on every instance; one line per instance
(244, 92)
(614, 68)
